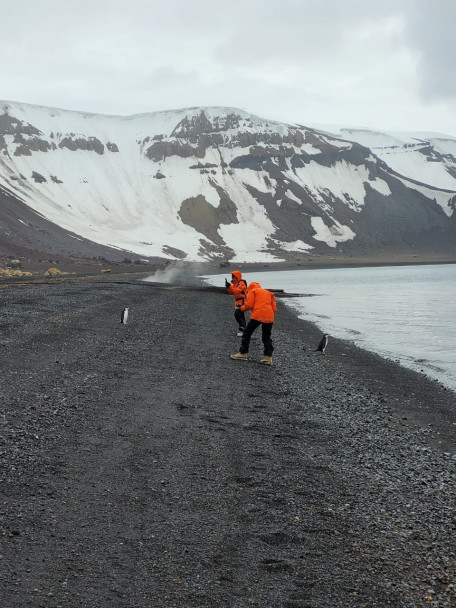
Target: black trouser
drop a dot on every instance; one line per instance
(240, 317)
(266, 329)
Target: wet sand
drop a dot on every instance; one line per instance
(338, 261)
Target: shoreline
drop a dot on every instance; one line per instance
(84, 268)
(419, 367)
(331, 262)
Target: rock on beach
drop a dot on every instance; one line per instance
(142, 468)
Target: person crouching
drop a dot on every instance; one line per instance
(263, 306)
(238, 288)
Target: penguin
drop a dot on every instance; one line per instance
(124, 315)
(323, 344)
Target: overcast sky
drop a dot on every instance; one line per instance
(387, 65)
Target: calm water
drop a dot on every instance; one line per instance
(405, 313)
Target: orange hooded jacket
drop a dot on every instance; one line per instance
(261, 302)
(238, 288)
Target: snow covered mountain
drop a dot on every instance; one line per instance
(218, 183)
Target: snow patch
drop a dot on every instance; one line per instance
(295, 246)
(292, 197)
(342, 181)
(381, 186)
(337, 233)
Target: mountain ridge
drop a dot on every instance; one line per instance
(215, 183)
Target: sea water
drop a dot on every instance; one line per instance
(404, 313)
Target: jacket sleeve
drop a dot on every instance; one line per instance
(249, 301)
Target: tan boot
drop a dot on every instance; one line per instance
(266, 360)
(239, 357)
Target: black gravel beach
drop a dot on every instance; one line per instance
(142, 468)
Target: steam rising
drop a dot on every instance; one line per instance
(182, 274)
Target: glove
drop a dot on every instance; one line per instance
(227, 284)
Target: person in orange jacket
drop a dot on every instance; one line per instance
(263, 306)
(238, 288)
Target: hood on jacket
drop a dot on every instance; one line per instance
(236, 274)
(254, 285)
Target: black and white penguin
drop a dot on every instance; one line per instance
(124, 315)
(323, 344)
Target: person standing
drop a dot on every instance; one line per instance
(238, 288)
(263, 305)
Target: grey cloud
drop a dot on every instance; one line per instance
(430, 32)
(296, 60)
(168, 75)
(300, 30)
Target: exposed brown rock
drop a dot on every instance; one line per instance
(191, 127)
(174, 252)
(205, 218)
(10, 125)
(80, 143)
(160, 150)
(38, 177)
(22, 150)
(202, 166)
(212, 251)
